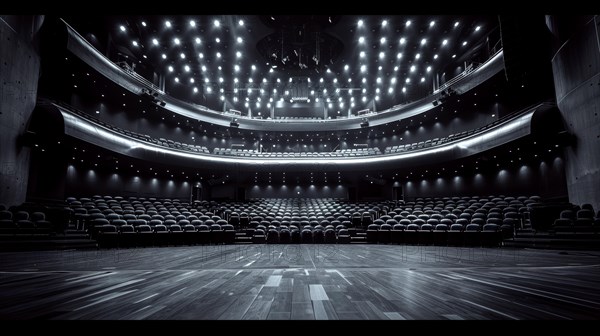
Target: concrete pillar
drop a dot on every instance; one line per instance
(576, 69)
(19, 73)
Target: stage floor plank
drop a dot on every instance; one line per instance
(312, 282)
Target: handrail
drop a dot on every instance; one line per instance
(129, 70)
(126, 69)
(470, 68)
(188, 147)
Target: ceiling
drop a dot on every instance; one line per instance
(255, 64)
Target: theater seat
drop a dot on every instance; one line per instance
(318, 236)
(372, 233)
(343, 236)
(440, 235)
(306, 236)
(272, 236)
(285, 236)
(384, 234)
(472, 235)
(491, 235)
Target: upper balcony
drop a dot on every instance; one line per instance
(80, 125)
(124, 76)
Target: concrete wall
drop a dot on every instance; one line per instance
(19, 73)
(545, 179)
(81, 182)
(576, 68)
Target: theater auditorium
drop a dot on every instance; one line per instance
(299, 167)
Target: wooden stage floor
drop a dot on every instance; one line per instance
(322, 282)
